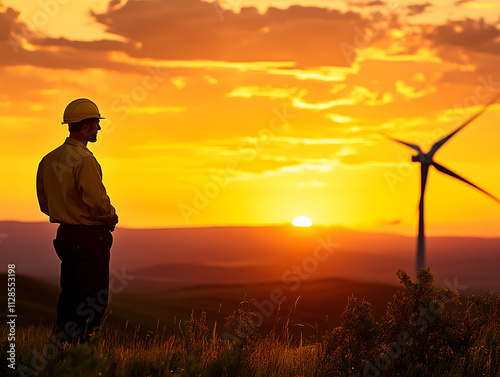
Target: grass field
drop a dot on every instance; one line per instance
(424, 332)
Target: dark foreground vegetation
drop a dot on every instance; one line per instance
(425, 332)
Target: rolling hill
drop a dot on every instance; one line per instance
(159, 260)
(318, 303)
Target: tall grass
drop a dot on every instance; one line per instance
(424, 333)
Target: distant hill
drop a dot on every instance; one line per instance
(317, 302)
(35, 300)
(160, 260)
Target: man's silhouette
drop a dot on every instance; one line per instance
(71, 193)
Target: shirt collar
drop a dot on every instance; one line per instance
(77, 143)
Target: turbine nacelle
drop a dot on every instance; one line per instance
(422, 158)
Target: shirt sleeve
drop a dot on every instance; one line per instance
(40, 190)
(92, 191)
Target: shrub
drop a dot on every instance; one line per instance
(416, 332)
(347, 346)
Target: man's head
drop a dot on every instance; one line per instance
(82, 116)
(85, 129)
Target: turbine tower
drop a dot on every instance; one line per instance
(426, 160)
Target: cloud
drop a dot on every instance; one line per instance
(8, 23)
(114, 4)
(337, 118)
(417, 8)
(19, 46)
(357, 95)
(321, 142)
(190, 29)
(255, 91)
(411, 92)
(157, 109)
(312, 39)
(308, 39)
(460, 2)
(469, 34)
(374, 3)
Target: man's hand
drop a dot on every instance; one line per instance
(111, 223)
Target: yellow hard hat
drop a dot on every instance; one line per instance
(80, 109)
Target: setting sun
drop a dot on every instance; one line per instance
(302, 221)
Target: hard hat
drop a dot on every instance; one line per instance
(80, 109)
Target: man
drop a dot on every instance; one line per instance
(71, 193)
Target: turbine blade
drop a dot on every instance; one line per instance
(440, 143)
(412, 146)
(442, 169)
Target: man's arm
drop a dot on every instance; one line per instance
(93, 192)
(40, 190)
(111, 223)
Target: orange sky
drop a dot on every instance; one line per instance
(255, 112)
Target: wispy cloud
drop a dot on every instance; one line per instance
(157, 109)
(269, 92)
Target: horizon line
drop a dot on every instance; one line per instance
(273, 225)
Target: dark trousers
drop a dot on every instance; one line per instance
(84, 252)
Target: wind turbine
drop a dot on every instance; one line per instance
(426, 160)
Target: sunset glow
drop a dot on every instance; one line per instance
(251, 112)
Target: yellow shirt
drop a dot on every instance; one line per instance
(69, 186)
